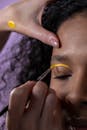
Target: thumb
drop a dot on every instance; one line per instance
(38, 32)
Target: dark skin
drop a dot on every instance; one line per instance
(24, 13)
(45, 120)
(72, 89)
(44, 111)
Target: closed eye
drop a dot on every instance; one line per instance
(63, 77)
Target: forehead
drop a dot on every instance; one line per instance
(73, 39)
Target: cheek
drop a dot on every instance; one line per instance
(59, 88)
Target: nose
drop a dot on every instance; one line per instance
(77, 89)
(74, 97)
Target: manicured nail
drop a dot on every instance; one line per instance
(54, 42)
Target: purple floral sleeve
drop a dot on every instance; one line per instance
(9, 77)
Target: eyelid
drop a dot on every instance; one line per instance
(62, 77)
(49, 69)
(59, 65)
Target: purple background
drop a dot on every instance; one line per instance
(5, 65)
(4, 3)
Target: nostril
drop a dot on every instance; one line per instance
(67, 101)
(73, 99)
(84, 103)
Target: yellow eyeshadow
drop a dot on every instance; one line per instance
(49, 69)
(59, 65)
(11, 24)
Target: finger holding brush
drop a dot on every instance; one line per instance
(34, 106)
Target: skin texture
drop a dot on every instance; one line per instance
(72, 89)
(32, 117)
(27, 16)
(44, 111)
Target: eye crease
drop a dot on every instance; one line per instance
(59, 65)
(61, 71)
(63, 77)
(52, 67)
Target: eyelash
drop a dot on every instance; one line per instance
(63, 77)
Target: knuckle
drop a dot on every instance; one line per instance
(22, 89)
(42, 86)
(40, 89)
(51, 98)
(16, 92)
(12, 10)
(13, 92)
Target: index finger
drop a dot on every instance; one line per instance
(17, 102)
(19, 97)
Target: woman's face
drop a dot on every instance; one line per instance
(70, 84)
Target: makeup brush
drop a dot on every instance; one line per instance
(43, 75)
(5, 109)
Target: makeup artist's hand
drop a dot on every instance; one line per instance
(43, 113)
(27, 16)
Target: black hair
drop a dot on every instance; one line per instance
(55, 13)
(58, 11)
(34, 56)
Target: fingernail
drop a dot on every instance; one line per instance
(54, 42)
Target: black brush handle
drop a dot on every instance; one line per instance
(4, 110)
(38, 79)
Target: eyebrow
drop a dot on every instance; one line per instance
(61, 58)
